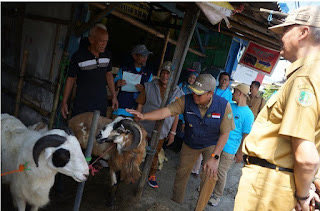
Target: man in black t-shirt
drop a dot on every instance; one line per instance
(91, 69)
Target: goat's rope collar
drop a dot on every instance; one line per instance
(93, 169)
(22, 167)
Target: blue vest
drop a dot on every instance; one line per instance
(203, 132)
(128, 99)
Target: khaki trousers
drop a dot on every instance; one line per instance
(188, 157)
(226, 160)
(263, 189)
(154, 166)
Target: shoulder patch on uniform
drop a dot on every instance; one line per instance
(229, 115)
(305, 98)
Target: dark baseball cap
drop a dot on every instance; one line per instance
(141, 49)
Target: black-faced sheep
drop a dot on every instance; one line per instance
(129, 136)
(46, 154)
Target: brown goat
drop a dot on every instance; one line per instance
(129, 136)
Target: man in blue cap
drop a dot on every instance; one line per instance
(137, 69)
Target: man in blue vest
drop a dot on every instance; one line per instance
(208, 123)
(137, 70)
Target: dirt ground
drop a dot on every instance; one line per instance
(96, 190)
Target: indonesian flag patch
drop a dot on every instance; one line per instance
(215, 116)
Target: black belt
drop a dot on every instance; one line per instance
(263, 163)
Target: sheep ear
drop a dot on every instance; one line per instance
(48, 152)
(46, 142)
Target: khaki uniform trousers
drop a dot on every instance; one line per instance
(188, 157)
(265, 189)
(226, 161)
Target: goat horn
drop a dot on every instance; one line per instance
(135, 130)
(45, 142)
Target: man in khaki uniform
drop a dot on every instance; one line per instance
(282, 149)
(255, 101)
(208, 123)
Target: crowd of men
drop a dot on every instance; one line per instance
(278, 139)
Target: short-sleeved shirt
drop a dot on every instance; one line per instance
(243, 119)
(256, 104)
(91, 78)
(226, 94)
(294, 111)
(227, 124)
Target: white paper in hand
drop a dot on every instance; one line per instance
(131, 81)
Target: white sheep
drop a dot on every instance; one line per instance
(46, 154)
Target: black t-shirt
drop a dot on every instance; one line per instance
(91, 78)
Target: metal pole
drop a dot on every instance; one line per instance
(92, 133)
(188, 26)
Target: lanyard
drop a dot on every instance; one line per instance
(221, 93)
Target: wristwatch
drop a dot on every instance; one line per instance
(215, 156)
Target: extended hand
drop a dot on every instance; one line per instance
(170, 139)
(121, 83)
(64, 110)
(211, 166)
(239, 157)
(139, 87)
(115, 103)
(136, 113)
(308, 204)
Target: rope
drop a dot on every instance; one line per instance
(150, 151)
(270, 17)
(22, 167)
(93, 169)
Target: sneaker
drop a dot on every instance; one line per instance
(214, 201)
(152, 182)
(195, 175)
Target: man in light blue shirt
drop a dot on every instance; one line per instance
(243, 118)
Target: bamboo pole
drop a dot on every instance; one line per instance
(20, 83)
(252, 32)
(284, 15)
(63, 64)
(145, 27)
(163, 51)
(54, 51)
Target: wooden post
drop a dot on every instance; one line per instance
(63, 64)
(20, 83)
(187, 29)
(163, 51)
(54, 51)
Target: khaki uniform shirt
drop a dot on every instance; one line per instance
(227, 124)
(292, 112)
(256, 104)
